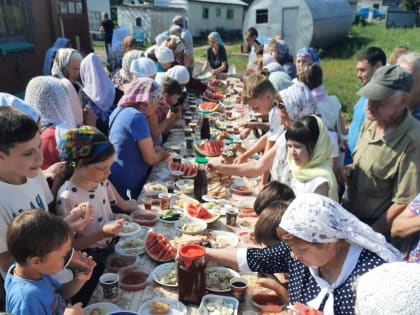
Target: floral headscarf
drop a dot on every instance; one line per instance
(97, 85)
(319, 164)
(61, 62)
(309, 54)
(217, 37)
(127, 60)
(7, 99)
(298, 101)
(141, 91)
(318, 219)
(82, 145)
(49, 97)
(389, 289)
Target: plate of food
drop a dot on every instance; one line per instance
(162, 305)
(218, 206)
(204, 75)
(171, 216)
(222, 239)
(247, 223)
(130, 246)
(166, 275)
(218, 279)
(197, 211)
(102, 308)
(191, 225)
(130, 229)
(242, 190)
(218, 304)
(186, 186)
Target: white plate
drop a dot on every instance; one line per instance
(200, 225)
(155, 187)
(105, 308)
(209, 298)
(224, 239)
(162, 268)
(136, 248)
(218, 206)
(185, 185)
(221, 271)
(204, 75)
(132, 229)
(177, 308)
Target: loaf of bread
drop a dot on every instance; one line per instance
(159, 308)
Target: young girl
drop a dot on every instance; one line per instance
(308, 156)
(89, 155)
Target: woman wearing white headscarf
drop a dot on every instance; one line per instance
(48, 96)
(101, 94)
(323, 247)
(389, 289)
(123, 76)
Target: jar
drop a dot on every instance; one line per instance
(191, 273)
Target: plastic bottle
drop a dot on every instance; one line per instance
(205, 126)
(200, 180)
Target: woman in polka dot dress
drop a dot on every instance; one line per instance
(89, 156)
(324, 249)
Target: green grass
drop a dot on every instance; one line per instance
(339, 61)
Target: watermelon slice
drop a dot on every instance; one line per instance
(210, 148)
(197, 211)
(158, 247)
(210, 106)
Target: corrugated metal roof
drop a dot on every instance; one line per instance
(236, 2)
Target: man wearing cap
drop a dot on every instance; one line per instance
(386, 161)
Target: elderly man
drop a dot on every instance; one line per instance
(411, 63)
(385, 171)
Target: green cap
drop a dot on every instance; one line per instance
(201, 160)
(206, 111)
(386, 81)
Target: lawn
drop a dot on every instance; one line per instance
(338, 61)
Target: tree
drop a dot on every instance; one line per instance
(410, 5)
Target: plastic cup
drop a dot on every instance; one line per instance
(187, 119)
(79, 262)
(171, 186)
(238, 287)
(164, 201)
(189, 141)
(231, 216)
(147, 202)
(188, 132)
(109, 282)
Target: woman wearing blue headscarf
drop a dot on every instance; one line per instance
(216, 54)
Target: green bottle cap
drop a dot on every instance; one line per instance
(201, 160)
(206, 112)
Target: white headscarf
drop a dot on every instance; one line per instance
(389, 289)
(179, 73)
(97, 85)
(143, 67)
(318, 219)
(298, 100)
(7, 99)
(75, 102)
(48, 95)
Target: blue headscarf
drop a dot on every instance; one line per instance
(7, 99)
(308, 53)
(217, 37)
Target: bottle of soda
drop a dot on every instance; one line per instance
(205, 126)
(200, 180)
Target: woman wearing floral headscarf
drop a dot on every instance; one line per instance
(323, 247)
(130, 135)
(48, 95)
(216, 55)
(305, 55)
(123, 76)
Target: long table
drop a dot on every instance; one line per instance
(133, 300)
